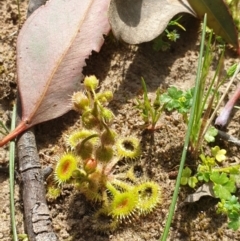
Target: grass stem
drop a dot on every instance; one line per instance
(11, 177)
(187, 138)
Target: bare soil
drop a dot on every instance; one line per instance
(120, 68)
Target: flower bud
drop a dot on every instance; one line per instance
(84, 150)
(91, 82)
(80, 101)
(90, 165)
(107, 114)
(104, 153)
(89, 120)
(104, 97)
(108, 137)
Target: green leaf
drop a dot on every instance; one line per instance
(186, 175)
(231, 70)
(177, 99)
(186, 172)
(232, 203)
(221, 192)
(223, 186)
(184, 180)
(174, 92)
(219, 178)
(230, 186)
(234, 224)
(210, 134)
(219, 154)
(192, 181)
(218, 18)
(203, 176)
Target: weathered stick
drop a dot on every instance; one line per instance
(229, 138)
(36, 213)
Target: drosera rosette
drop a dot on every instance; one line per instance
(103, 166)
(123, 204)
(65, 167)
(128, 147)
(149, 196)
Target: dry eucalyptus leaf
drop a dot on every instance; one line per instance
(137, 21)
(205, 190)
(51, 50)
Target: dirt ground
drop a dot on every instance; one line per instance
(120, 68)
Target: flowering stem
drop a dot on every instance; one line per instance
(88, 138)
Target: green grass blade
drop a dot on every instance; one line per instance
(187, 138)
(11, 177)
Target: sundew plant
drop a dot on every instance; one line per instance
(90, 161)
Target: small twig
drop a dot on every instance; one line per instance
(10, 35)
(229, 138)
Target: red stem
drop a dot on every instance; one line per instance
(225, 113)
(19, 129)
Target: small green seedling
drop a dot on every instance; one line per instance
(231, 208)
(211, 134)
(176, 99)
(89, 164)
(224, 180)
(162, 42)
(187, 178)
(150, 112)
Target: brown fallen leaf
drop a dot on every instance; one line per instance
(137, 21)
(51, 51)
(205, 190)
